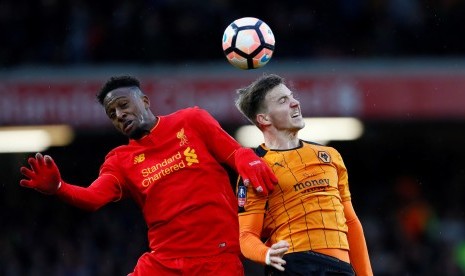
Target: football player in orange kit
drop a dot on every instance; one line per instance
(308, 221)
(172, 168)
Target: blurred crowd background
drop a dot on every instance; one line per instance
(407, 178)
(175, 31)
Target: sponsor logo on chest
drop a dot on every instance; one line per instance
(312, 185)
(155, 170)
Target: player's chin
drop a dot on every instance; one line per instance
(133, 134)
(136, 133)
(298, 122)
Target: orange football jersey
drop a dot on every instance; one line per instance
(305, 208)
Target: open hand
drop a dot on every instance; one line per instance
(274, 256)
(43, 174)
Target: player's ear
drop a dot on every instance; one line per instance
(263, 119)
(146, 101)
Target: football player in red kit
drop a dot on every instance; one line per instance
(172, 168)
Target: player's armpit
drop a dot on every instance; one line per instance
(252, 247)
(358, 248)
(103, 190)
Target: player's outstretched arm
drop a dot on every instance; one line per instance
(254, 171)
(44, 176)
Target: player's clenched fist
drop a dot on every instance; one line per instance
(43, 175)
(254, 171)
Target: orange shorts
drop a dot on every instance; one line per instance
(226, 264)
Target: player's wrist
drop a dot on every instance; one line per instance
(61, 188)
(48, 189)
(267, 258)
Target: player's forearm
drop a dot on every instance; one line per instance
(252, 247)
(100, 192)
(358, 248)
(79, 197)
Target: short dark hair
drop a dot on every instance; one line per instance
(250, 99)
(116, 82)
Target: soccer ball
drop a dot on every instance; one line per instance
(248, 43)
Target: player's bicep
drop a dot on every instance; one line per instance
(249, 200)
(251, 223)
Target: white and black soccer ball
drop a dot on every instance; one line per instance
(248, 43)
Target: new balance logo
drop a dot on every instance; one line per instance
(139, 158)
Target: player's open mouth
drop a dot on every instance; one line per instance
(297, 114)
(127, 126)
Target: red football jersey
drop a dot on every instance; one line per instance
(175, 175)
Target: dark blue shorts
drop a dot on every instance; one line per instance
(310, 263)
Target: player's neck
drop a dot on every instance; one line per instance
(281, 140)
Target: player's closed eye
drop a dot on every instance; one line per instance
(123, 105)
(283, 99)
